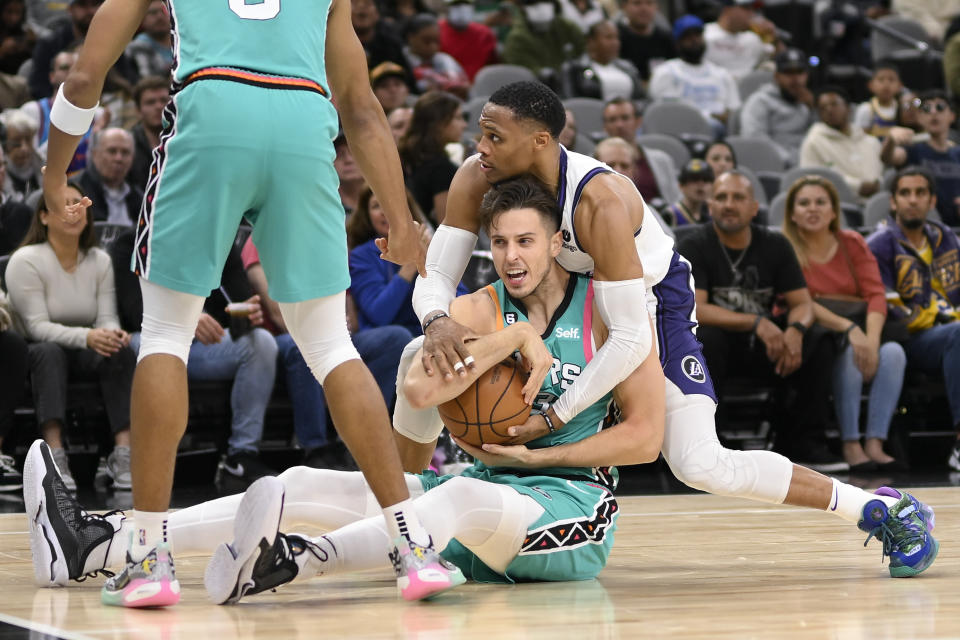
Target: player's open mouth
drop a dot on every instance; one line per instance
(485, 166)
(515, 276)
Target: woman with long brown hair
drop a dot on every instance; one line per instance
(62, 290)
(849, 298)
(437, 121)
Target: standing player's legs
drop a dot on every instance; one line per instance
(301, 237)
(696, 457)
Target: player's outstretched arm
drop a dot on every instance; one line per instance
(609, 213)
(368, 133)
(110, 31)
(637, 439)
(477, 312)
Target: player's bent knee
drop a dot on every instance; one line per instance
(319, 328)
(709, 466)
(169, 321)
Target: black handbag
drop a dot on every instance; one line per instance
(894, 330)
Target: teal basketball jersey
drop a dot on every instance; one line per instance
(569, 338)
(283, 37)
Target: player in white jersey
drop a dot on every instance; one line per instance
(636, 270)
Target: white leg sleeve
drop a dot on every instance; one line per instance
(696, 457)
(313, 497)
(319, 327)
(420, 425)
(169, 321)
(489, 519)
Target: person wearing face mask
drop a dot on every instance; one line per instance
(472, 44)
(690, 78)
(541, 37)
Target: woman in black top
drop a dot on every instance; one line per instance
(437, 120)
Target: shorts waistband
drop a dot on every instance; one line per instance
(255, 78)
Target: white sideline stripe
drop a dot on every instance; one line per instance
(43, 628)
(772, 509)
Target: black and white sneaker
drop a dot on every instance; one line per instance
(10, 478)
(245, 466)
(259, 558)
(62, 534)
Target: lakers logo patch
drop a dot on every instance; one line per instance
(693, 369)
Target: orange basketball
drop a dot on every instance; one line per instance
(483, 413)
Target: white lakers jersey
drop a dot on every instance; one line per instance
(654, 246)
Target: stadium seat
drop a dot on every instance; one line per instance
(758, 191)
(494, 76)
(584, 144)
(107, 232)
(676, 118)
(884, 46)
(588, 112)
(845, 192)
(471, 111)
(668, 144)
(753, 81)
(876, 209)
(757, 154)
(775, 212)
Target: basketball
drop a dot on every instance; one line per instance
(483, 413)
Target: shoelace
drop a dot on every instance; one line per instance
(886, 533)
(7, 463)
(85, 520)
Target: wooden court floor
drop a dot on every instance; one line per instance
(691, 566)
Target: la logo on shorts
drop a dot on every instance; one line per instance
(693, 369)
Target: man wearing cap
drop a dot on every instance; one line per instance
(696, 184)
(389, 83)
(731, 43)
(472, 44)
(690, 78)
(781, 112)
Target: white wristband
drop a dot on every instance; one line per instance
(69, 118)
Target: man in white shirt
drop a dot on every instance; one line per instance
(731, 43)
(835, 143)
(690, 78)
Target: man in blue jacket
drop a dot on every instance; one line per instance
(920, 264)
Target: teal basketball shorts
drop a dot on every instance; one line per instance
(570, 541)
(231, 150)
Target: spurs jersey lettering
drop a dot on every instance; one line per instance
(654, 246)
(270, 37)
(569, 338)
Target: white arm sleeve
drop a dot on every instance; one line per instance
(447, 259)
(623, 306)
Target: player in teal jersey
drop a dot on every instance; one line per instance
(525, 512)
(248, 133)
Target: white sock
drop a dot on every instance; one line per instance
(113, 552)
(327, 558)
(403, 522)
(149, 529)
(848, 501)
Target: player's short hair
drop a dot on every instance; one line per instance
(149, 83)
(531, 100)
(521, 192)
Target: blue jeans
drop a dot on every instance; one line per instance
(251, 362)
(884, 392)
(380, 350)
(937, 351)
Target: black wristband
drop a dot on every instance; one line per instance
(756, 323)
(433, 318)
(799, 326)
(846, 333)
(549, 422)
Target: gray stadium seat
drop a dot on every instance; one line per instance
(757, 154)
(876, 209)
(668, 144)
(775, 212)
(588, 112)
(753, 81)
(676, 118)
(494, 76)
(584, 144)
(884, 46)
(845, 192)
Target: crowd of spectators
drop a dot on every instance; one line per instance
(767, 254)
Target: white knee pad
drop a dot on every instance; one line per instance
(420, 425)
(319, 327)
(169, 321)
(696, 457)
